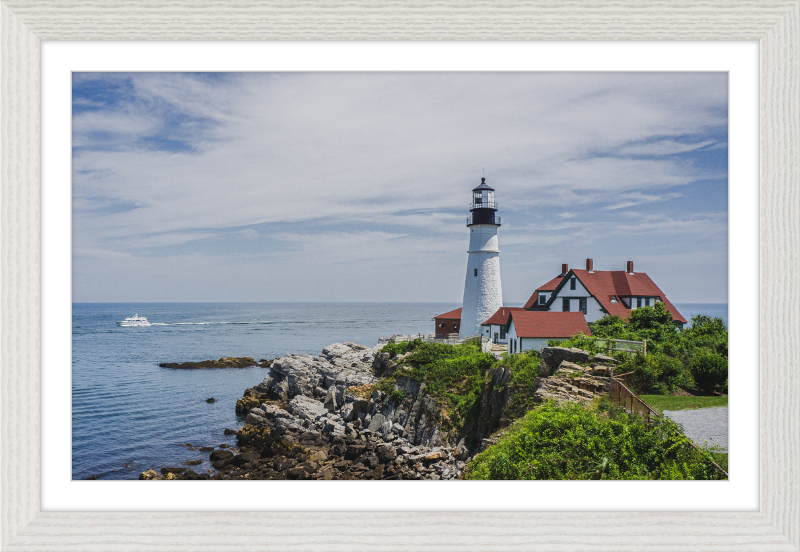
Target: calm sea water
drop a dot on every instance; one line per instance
(128, 410)
(130, 415)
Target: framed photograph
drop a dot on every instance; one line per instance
(46, 502)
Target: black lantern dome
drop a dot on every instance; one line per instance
(483, 206)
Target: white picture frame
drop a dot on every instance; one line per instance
(776, 25)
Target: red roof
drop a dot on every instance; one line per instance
(500, 317)
(549, 324)
(549, 286)
(454, 314)
(604, 285)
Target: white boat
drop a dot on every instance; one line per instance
(134, 320)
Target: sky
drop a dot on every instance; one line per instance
(356, 186)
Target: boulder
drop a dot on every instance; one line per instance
(386, 452)
(165, 471)
(245, 458)
(552, 357)
(376, 422)
(150, 475)
(220, 458)
(211, 400)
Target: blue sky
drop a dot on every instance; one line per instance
(355, 186)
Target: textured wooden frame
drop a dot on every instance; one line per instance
(776, 25)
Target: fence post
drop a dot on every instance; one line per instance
(644, 347)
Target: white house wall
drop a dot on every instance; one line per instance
(593, 311)
(532, 343)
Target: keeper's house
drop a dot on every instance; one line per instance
(447, 323)
(596, 293)
(532, 329)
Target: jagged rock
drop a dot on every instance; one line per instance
(603, 359)
(334, 399)
(228, 432)
(150, 475)
(553, 356)
(601, 370)
(206, 449)
(165, 471)
(211, 400)
(285, 464)
(376, 422)
(567, 365)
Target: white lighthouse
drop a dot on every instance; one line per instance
(483, 294)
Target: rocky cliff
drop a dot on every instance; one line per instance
(331, 416)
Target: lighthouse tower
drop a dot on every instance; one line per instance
(483, 294)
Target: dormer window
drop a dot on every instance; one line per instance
(542, 299)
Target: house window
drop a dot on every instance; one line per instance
(476, 272)
(646, 301)
(502, 332)
(572, 283)
(565, 304)
(455, 327)
(582, 305)
(542, 299)
(639, 302)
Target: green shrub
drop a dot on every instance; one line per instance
(710, 371)
(655, 374)
(401, 348)
(571, 442)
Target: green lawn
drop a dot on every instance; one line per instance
(669, 402)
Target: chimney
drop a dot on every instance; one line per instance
(564, 269)
(589, 265)
(630, 267)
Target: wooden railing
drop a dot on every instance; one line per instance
(625, 398)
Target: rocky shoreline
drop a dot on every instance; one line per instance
(224, 362)
(323, 417)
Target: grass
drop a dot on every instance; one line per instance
(668, 402)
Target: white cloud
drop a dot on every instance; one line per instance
(394, 154)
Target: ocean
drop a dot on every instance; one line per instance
(130, 415)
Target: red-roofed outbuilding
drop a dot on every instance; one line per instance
(447, 323)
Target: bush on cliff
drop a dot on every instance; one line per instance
(673, 355)
(453, 374)
(401, 348)
(574, 442)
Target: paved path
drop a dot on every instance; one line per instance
(704, 425)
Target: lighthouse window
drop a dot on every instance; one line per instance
(476, 272)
